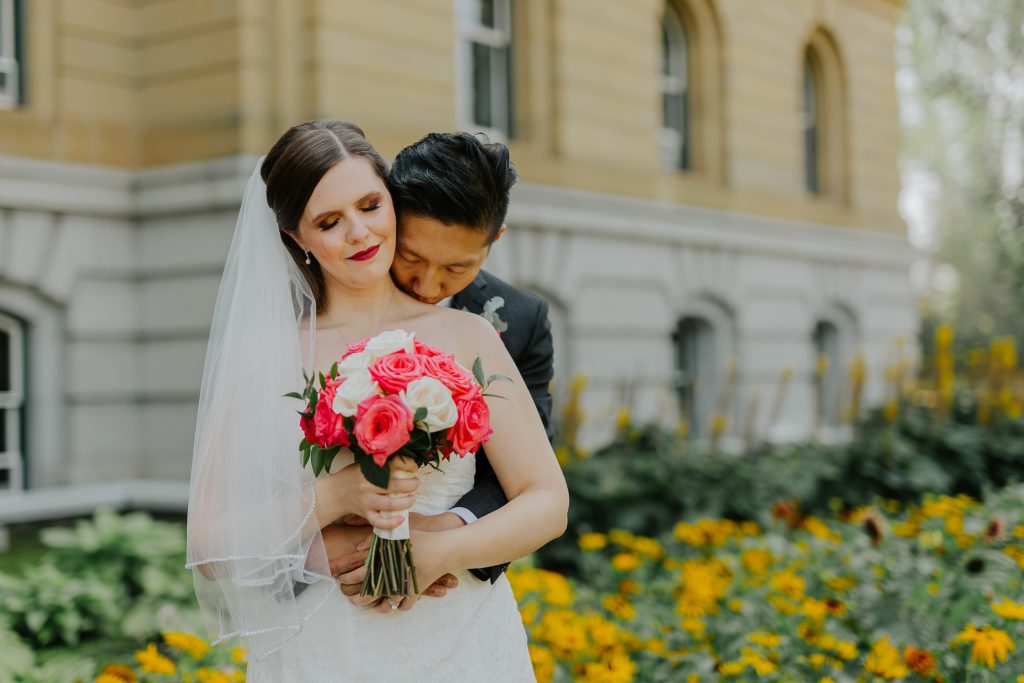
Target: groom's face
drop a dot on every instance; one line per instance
(434, 261)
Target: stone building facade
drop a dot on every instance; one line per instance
(708, 195)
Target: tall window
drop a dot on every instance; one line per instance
(828, 372)
(811, 109)
(823, 114)
(11, 403)
(11, 86)
(485, 67)
(696, 372)
(675, 92)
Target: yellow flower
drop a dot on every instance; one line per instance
(693, 626)
(648, 547)
(885, 661)
(621, 537)
(756, 561)
(625, 562)
(988, 645)
(789, 584)
(208, 675)
(814, 609)
(826, 679)
(590, 542)
(529, 613)
(768, 640)
(196, 648)
(543, 663)
(109, 678)
(841, 583)
(735, 605)
(619, 606)
(238, 655)
(846, 650)
(819, 529)
(121, 672)
(152, 662)
(732, 668)
(1008, 609)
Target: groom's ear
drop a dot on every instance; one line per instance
(497, 235)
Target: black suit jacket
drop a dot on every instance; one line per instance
(528, 340)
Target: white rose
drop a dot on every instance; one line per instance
(389, 342)
(354, 363)
(356, 388)
(429, 393)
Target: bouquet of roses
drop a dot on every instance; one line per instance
(391, 395)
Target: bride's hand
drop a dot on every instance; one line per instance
(369, 501)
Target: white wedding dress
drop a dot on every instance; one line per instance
(472, 634)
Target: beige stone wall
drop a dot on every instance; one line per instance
(141, 83)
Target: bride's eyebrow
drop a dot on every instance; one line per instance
(372, 194)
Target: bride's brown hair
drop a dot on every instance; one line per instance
(294, 166)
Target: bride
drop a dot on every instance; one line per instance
(307, 275)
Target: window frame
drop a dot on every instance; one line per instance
(675, 148)
(811, 123)
(11, 51)
(12, 403)
(499, 40)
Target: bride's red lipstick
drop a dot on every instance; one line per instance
(366, 254)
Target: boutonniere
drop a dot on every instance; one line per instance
(490, 313)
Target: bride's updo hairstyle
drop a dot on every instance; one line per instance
(295, 165)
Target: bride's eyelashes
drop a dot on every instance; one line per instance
(365, 209)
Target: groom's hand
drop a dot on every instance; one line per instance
(346, 546)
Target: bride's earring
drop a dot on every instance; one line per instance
(308, 261)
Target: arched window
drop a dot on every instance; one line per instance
(823, 113)
(828, 377)
(690, 84)
(484, 29)
(810, 125)
(12, 398)
(701, 355)
(675, 92)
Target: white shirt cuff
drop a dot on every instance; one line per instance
(467, 516)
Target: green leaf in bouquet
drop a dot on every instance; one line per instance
(318, 461)
(478, 372)
(303, 445)
(498, 378)
(329, 455)
(323, 381)
(375, 474)
(294, 394)
(306, 453)
(334, 369)
(420, 414)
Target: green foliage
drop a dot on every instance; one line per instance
(48, 606)
(134, 550)
(108, 577)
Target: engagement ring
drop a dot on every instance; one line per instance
(394, 605)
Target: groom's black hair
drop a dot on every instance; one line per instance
(454, 178)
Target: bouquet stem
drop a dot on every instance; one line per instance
(390, 569)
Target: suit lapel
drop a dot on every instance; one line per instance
(472, 297)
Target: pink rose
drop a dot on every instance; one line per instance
(424, 350)
(355, 347)
(474, 425)
(308, 427)
(383, 425)
(328, 426)
(394, 371)
(458, 379)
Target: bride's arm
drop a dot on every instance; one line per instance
(525, 463)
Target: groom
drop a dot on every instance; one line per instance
(451, 194)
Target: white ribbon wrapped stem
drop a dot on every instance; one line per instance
(400, 532)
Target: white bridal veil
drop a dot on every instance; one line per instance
(253, 541)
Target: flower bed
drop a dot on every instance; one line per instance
(926, 594)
